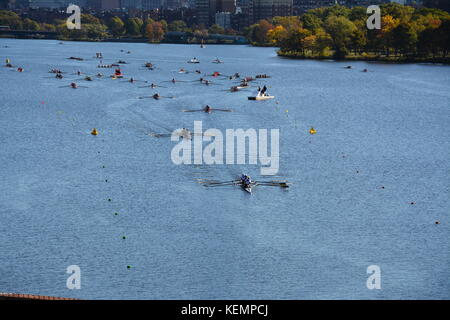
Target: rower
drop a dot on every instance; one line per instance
(264, 89)
(73, 85)
(59, 76)
(208, 109)
(8, 61)
(156, 96)
(20, 69)
(88, 78)
(131, 80)
(78, 72)
(153, 85)
(173, 80)
(185, 133)
(246, 180)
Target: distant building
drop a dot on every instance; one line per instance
(440, 4)
(151, 4)
(223, 19)
(171, 4)
(202, 12)
(55, 4)
(267, 9)
(131, 4)
(104, 4)
(226, 6)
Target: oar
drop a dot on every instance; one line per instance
(274, 184)
(224, 110)
(224, 182)
(149, 86)
(134, 80)
(160, 135)
(220, 185)
(148, 97)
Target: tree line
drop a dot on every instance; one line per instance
(341, 32)
(94, 28)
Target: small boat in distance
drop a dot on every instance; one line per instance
(217, 60)
(194, 60)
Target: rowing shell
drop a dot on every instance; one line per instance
(247, 188)
(258, 98)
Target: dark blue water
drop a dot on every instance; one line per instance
(382, 143)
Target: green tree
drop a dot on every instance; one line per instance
(404, 38)
(429, 42)
(358, 39)
(89, 19)
(295, 40)
(341, 30)
(29, 24)
(177, 25)
(11, 19)
(444, 37)
(132, 28)
(311, 22)
(216, 29)
(164, 25)
(116, 26)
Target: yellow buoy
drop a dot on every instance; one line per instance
(94, 132)
(312, 131)
(8, 61)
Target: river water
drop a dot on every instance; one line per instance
(367, 188)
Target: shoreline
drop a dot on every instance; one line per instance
(389, 60)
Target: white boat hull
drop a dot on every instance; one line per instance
(261, 98)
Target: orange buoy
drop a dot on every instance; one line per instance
(312, 131)
(94, 132)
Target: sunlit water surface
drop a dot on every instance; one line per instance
(367, 188)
